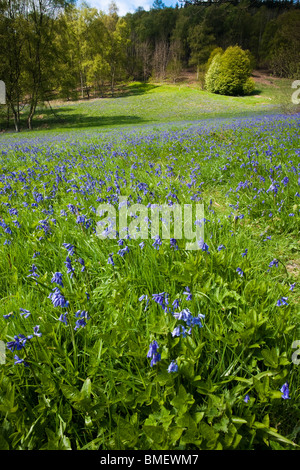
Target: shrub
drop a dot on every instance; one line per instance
(229, 73)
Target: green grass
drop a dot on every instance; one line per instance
(93, 387)
(140, 103)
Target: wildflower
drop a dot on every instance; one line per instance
(285, 391)
(36, 330)
(282, 301)
(63, 318)
(247, 398)
(124, 250)
(292, 286)
(157, 242)
(173, 243)
(110, 259)
(141, 245)
(18, 343)
(24, 312)
(240, 272)
(155, 359)
(20, 361)
(70, 248)
(152, 349)
(70, 269)
(81, 261)
(245, 252)
(274, 263)
(188, 294)
(142, 298)
(221, 247)
(173, 367)
(83, 317)
(175, 304)
(33, 272)
(57, 278)
(203, 246)
(153, 353)
(8, 315)
(177, 332)
(58, 299)
(161, 299)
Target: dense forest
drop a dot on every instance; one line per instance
(53, 48)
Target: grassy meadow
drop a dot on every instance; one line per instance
(130, 344)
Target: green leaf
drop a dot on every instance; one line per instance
(182, 400)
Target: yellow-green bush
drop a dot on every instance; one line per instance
(229, 73)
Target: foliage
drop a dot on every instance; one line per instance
(229, 73)
(219, 322)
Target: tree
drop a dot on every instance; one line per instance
(229, 73)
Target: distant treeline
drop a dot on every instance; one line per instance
(50, 48)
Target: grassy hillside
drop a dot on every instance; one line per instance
(138, 103)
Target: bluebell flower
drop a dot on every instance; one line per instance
(70, 269)
(155, 359)
(282, 301)
(188, 294)
(221, 247)
(161, 299)
(203, 246)
(175, 303)
(57, 278)
(180, 330)
(24, 312)
(152, 349)
(20, 361)
(33, 272)
(8, 315)
(173, 367)
(147, 300)
(247, 398)
(18, 343)
(292, 286)
(157, 242)
(274, 263)
(36, 330)
(70, 248)
(58, 299)
(83, 317)
(124, 250)
(141, 245)
(81, 261)
(285, 391)
(110, 259)
(245, 252)
(173, 243)
(63, 318)
(240, 272)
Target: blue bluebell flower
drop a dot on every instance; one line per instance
(58, 299)
(282, 301)
(173, 367)
(57, 278)
(110, 259)
(285, 391)
(274, 263)
(24, 312)
(83, 317)
(188, 294)
(247, 398)
(240, 272)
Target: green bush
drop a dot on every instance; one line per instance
(229, 73)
